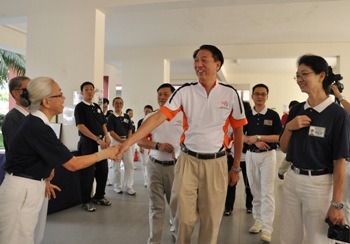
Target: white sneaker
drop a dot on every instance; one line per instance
(256, 228)
(265, 237)
(145, 184)
(131, 191)
(172, 228)
(118, 190)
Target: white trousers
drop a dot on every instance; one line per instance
(144, 162)
(261, 175)
(20, 203)
(305, 203)
(347, 194)
(128, 182)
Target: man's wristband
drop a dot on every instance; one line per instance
(157, 146)
(97, 138)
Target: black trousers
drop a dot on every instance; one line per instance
(231, 190)
(99, 171)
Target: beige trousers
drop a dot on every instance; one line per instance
(199, 190)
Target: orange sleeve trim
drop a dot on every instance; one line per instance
(238, 123)
(169, 113)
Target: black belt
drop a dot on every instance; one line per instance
(164, 163)
(257, 150)
(26, 176)
(311, 171)
(203, 155)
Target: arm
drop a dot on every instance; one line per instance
(238, 147)
(150, 124)
(145, 143)
(86, 132)
(107, 139)
(338, 95)
(337, 215)
(297, 123)
(81, 162)
(116, 137)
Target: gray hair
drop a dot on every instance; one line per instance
(38, 89)
(16, 83)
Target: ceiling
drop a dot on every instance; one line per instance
(169, 23)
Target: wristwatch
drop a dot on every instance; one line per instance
(337, 205)
(258, 138)
(342, 98)
(237, 170)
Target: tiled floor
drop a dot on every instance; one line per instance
(126, 221)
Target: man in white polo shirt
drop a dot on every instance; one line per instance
(165, 149)
(201, 178)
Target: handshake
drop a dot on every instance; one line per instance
(338, 232)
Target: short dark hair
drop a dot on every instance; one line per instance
(166, 85)
(116, 99)
(16, 83)
(318, 65)
(127, 111)
(105, 100)
(86, 83)
(292, 103)
(148, 106)
(261, 85)
(217, 54)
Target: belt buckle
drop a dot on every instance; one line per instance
(296, 170)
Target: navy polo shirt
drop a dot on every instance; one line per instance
(267, 122)
(121, 125)
(91, 116)
(326, 139)
(35, 149)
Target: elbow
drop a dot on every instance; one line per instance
(70, 165)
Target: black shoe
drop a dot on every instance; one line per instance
(102, 201)
(228, 212)
(89, 207)
(249, 210)
(280, 176)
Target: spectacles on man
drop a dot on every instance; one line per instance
(263, 94)
(302, 75)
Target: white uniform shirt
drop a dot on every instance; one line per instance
(206, 118)
(168, 132)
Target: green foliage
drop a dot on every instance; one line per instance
(10, 60)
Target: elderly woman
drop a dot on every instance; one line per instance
(34, 153)
(316, 139)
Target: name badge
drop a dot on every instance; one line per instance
(268, 122)
(317, 131)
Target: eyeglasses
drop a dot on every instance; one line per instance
(302, 75)
(260, 94)
(60, 95)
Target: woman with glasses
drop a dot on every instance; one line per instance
(316, 140)
(34, 152)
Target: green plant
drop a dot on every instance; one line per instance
(10, 60)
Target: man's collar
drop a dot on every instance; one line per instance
(22, 110)
(89, 104)
(320, 107)
(262, 111)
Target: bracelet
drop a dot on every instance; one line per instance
(97, 138)
(157, 146)
(341, 99)
(101, 155)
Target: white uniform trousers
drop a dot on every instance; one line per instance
(305, 203)
(128, 181)
(160, 182)
(347, 194)
(199, 189)
(144, 161)
(261, 175)
(20, 203)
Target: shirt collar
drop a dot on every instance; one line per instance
(320, 107)
(89, 104)
(262, 111)
(22, 110)
(42, 116)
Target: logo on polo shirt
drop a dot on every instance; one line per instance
(268, 122)
(178, 122)
(224, 104)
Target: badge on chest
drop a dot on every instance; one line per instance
(268, 122)
(317, 131)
